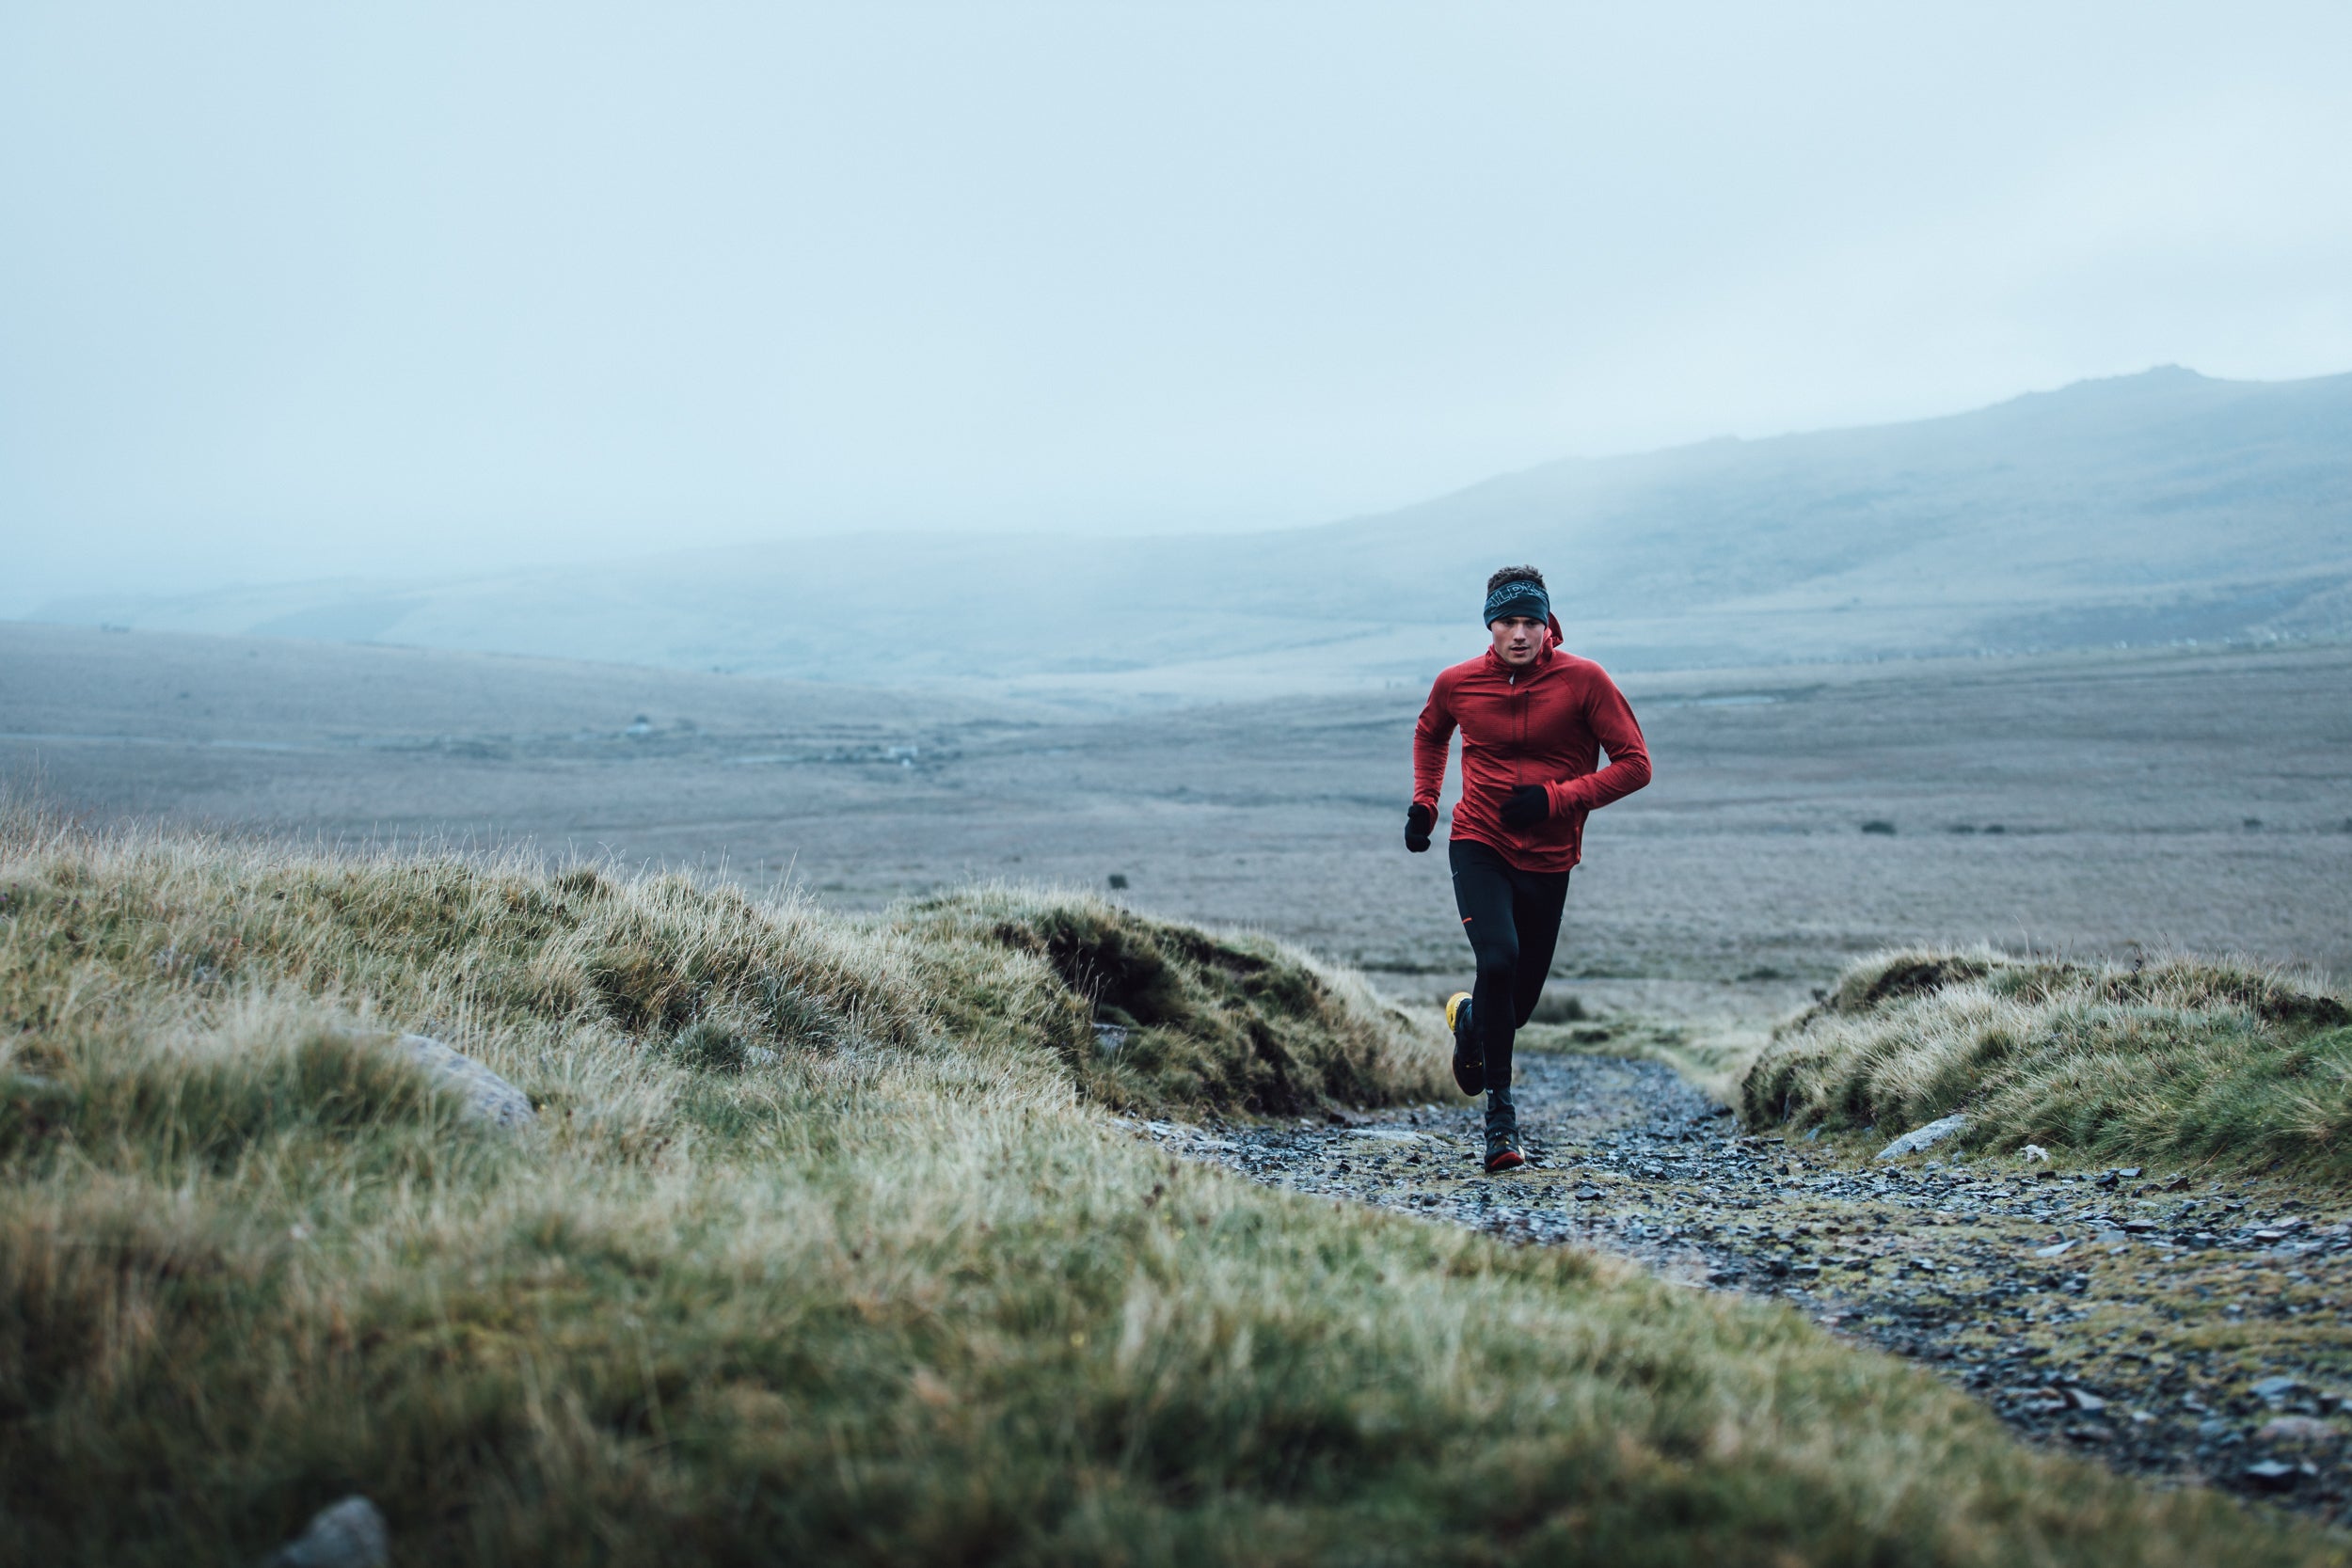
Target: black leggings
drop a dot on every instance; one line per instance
(1512, 918)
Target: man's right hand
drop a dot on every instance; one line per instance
(1418, 822)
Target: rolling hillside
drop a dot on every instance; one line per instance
(2147, 509)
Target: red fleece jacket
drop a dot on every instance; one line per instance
(1547, 723)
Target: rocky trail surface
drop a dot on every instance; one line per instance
(2177, 1326)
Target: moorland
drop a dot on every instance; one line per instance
(2095, 803)
(825, 1238)
(847, 1223)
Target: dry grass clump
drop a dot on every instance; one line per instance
(2180, 1060)
(807, 1263)
(1149, 1014)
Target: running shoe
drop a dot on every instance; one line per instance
(1469, 1057)
(1503, 1148)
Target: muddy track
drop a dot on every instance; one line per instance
(2180, 1329)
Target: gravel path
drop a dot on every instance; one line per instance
(2176, 1326)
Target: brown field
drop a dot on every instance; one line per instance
(2081, 804)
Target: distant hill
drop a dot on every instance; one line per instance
(2149, 508)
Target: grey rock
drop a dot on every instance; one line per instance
(488, 1096)
(349, 1534)
(2297, 1428)
(2268, 1475)
(1924, 1137)
(2276, 1387)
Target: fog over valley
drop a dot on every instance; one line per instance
(2158, 508)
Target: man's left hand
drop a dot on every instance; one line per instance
(1528, 805)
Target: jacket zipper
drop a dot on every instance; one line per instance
(1520, 764)
(1512, 680)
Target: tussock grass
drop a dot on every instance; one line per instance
(2180, 1060)
(1151, 1015)
(821, 1250)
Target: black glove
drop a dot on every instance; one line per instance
(1418, 822)
(1528, 805)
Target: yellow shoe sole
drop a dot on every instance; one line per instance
(1454, 1005)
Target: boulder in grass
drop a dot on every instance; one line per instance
(350, 1534)
(1924, 1137)
(486, 1096)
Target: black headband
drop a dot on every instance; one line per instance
(1519, 596)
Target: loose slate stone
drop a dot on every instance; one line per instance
(1924, 1137)
(1723, 1218)
(350, 1534)
(2297, 1428)
(488, 1096)
(2276, 1387)
(2269, 1475)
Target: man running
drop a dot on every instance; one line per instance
(1534, 720)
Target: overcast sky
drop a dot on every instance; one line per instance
(300, 290)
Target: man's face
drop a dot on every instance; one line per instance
(1517, 639)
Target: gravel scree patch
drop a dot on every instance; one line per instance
(2179, 1328)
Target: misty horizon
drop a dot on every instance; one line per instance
(33, 603)
(2160, 508)
(297, 295)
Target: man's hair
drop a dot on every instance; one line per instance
(1516, 574)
